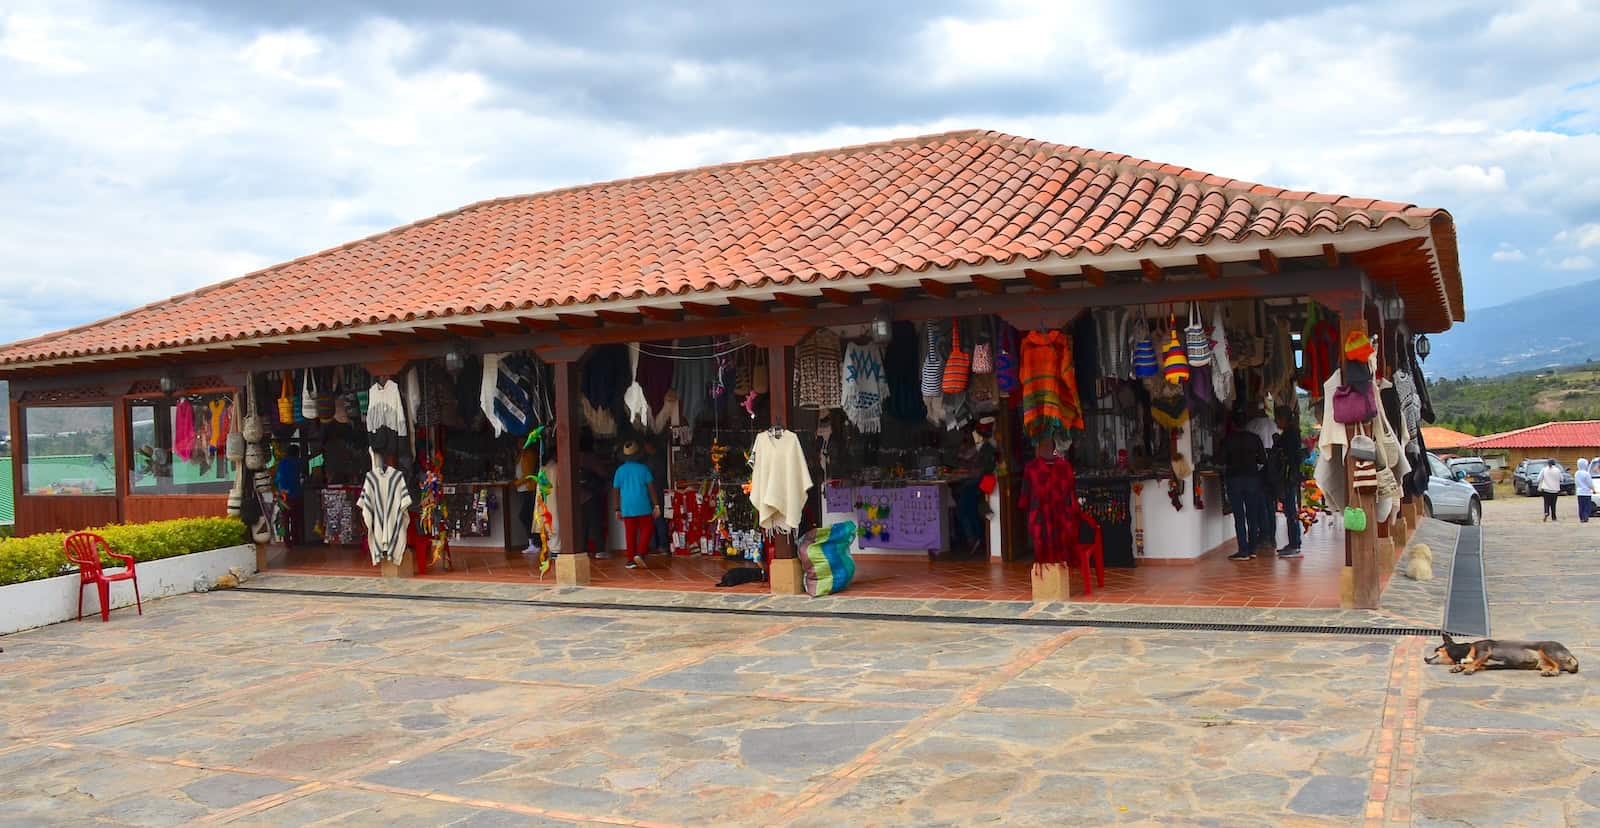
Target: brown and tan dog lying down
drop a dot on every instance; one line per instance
(1548, 657)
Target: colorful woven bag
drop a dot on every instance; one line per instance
(1174, 360)
(1145, 362)
(1196, 343)
(958, 367)
(286, 400)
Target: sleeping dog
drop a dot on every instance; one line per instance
(1548, 657)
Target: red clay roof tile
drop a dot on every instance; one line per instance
(1568, 434)
(975, 197)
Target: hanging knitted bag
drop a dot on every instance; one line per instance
(1174, 361)
(983, 355)
(1145, 363)
(932, 364)
(1005, 366)
(286, 400)
(250, 425)
(1196, 342)
(958, 367)
(308, 397)
(235, 440)
(324, 402)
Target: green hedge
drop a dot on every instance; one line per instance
(42, 556)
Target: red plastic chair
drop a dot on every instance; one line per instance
(1091, 551)
(84, 550)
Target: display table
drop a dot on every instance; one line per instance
(915, 519)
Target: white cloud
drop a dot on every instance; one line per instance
(1507, 254)
(1575, 263)
(147, 151)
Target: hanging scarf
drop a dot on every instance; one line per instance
(183, 431)
(1221, 361)
(900, 370)
(863, 387)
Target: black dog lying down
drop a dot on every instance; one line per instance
(742, 575)
(1548, 657)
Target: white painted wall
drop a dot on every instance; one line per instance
(1181, 534)
(52, 600)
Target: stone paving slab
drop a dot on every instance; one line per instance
(262, 708)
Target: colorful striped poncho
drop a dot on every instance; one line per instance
(1049, 386)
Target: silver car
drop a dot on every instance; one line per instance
(1448, 498)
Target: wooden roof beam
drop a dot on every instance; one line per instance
(611, 317)
(573, 320)
(988, 284)
(505, 328)
(701, 310)
(474, 331)
(943, 290)
(848, 298)
(887, 293)
(1211, 267)
(1094, 275)
(1269, 261)
(749, 306)
(1330, 255)
(661, 314)
(1041, 280)
(1152, 271)
(537, 324)
(791, 300)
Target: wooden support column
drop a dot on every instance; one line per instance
(785, 575)
(572, 565)
(1361, 548)
(1006, 479)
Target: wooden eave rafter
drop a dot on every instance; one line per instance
(1152, 271)
(988, 284)
(1094, 275)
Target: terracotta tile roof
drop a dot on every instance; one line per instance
(1437, 438)
(1569, 434)
(973, 198)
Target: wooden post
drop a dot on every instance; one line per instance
(1005, 477)
(564, 364)
(785, 575)
(1361, 548)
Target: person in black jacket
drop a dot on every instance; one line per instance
(1244, 461)
(1283, 478)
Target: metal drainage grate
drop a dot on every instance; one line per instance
(1466, 611)
(1110, 624)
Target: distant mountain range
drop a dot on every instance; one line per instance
(1545, 330)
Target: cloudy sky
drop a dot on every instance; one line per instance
(150, 147)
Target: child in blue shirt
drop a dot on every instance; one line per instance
(636, 504)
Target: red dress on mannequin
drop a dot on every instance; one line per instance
(1050, 496)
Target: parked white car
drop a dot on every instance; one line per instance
(1448, 498)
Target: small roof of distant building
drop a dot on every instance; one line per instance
(1568, 434)
(1438, 438)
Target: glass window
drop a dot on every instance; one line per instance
(179, 446)
(1438, 468)
(70, 451)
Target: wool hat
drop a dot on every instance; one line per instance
(630, 448)
(1357, 346)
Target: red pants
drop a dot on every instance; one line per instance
(637, 533)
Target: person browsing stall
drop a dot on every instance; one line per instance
(1245, 458)
(1550, 487)
(636, 504)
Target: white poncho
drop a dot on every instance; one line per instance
(779, 480)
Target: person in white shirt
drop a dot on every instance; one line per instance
(1550, 487)
(1584, 483)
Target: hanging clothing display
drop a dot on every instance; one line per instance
(1319, 343)
(183, 430)
(605, 378)
(932, 384)
(692, 377)
(1050, 498)
(654, 374)
(503, 393)
(817, 375)
(385, 505)
(339, 526)
(1115, 328)
(1222, 382)
(1007, 363)
(901, 365)
(634, 398)
(1050, 402)
(862, 386)
(779, 480)
(385, 408)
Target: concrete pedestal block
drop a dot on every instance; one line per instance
(406, 568)
(1347, 587)
(1051, 582)
(1386, 554)
(786, 577)
(572, 570)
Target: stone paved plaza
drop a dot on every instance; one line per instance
(266, 708)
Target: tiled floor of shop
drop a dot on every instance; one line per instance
(1312, 581)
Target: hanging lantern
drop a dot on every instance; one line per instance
(882, 326)
(1423, 348)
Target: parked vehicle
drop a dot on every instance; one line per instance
(1474, 472)
(1525, 480)
(1450, 499)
